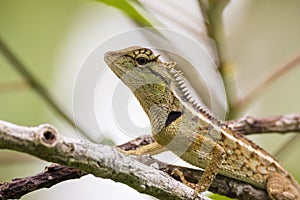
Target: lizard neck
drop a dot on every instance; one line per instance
(160, 105)
(152, 96)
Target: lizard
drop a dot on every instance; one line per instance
(182, 125)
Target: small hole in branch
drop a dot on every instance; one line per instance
(48, 135)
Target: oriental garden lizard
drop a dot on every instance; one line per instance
(183, 126)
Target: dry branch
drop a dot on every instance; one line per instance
(52, 175)
(44, 142)
(272, 124)
(100, 160)
(103, 161)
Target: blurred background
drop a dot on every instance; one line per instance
(54, 38)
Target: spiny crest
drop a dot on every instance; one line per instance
(183, 92)
(181, 88)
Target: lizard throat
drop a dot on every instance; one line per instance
(157, 95)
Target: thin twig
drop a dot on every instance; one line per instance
(52, 175)
(36, 84)
(291, 63)
(281, 70)
(272, 124)
(212, 12)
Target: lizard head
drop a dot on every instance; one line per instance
(147, 77)
(137, 66)
(125, 60)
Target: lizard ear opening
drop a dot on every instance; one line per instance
(173, 115)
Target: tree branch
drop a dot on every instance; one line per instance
(100, 160)
(52, 175)
(274, 124)
(58, 149)
(279, 124)
(56, 173)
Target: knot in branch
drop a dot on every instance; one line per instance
(47, 135)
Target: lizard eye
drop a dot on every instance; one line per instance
(142, 60)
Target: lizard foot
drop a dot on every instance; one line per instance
(182, 178)
(197, 188)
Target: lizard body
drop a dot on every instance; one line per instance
(183, 126)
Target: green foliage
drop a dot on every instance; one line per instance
(219, 197)
(34, 31)
(129, 10)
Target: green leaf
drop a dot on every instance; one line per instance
(129, 10)
(219, 197)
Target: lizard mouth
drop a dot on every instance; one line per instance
(111, 59)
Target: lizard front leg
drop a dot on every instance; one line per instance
(203, 149)
(152, 149)
(217, 154)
